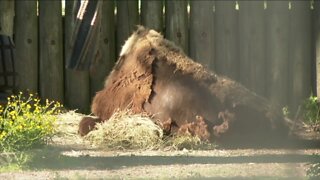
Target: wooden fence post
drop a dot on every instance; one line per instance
(202, 32)
(152, 14)
(26, 40)
(277, 32)
(127, 19)
(300, 52)
(51, 50)
(107, 57)
(6, 17)
(252, 45)
(226, 39)
(317, 45)
(177, 23)
(77, 87)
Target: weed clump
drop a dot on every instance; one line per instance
(313, 172)
(311, 113)
(26, 123)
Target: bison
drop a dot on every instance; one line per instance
(154, 76)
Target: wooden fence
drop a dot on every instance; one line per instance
(269, 46)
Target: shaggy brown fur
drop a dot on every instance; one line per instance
(152, 75)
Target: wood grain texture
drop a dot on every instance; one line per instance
(202, 32)
(6, 17)
(51, 51)
(177, 23)
(226, 39)
(77, 86)
(26, 41)
(252, 45)
(127, 19)
(277, 31)
(152, 14)
(300, 53)
(107, 57)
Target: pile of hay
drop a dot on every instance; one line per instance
(125, 130)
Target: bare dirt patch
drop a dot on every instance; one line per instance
(70, 157)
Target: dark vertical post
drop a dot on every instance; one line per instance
(107, 56)
(152, 14)
(252, 45)
(127, 19)
(77, 89)
(6, 17)
(300, 52)
(202, 32)
(26, 41)
(317, 44)
(51, 50)
(226, 39)
(277, 32)
(177, 23)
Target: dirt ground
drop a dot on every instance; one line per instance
(70, 157)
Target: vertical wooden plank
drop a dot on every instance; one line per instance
(77, 87)
(300, 52)
(226, 39)
(107, 56)
(6, 17)
(317, 44)
(7, 52)
(152, 14)
(26, 40)
(51, 50)
(202, 32)
(277, 32)
(252, 45)
(127, 19)
(176, 18)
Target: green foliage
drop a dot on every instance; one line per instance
(26, 123)
(311, 111)
(313, 172)
(285, 111)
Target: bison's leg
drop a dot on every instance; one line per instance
(87, 124)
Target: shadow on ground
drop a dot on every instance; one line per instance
(54, 159)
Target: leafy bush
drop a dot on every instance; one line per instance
(25, 122)
(312, 112)
(313, 172)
